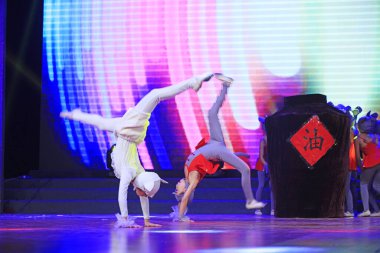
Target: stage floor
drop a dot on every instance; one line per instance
(219, 233)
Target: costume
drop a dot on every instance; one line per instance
(130, 130)
(259, 165)
(370, 178)
(205, 157)
(261, 171)
(371, 154)
(202, 165)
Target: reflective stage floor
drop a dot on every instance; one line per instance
(219, 233)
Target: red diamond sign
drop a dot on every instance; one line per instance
(312, 140)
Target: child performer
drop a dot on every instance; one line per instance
(205, 160)
(369, 143)
(352, 169)
(130, 130)
(262, 170)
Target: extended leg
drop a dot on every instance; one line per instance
(106, 124)
(155, 96)
(229, 157)
(216, 132)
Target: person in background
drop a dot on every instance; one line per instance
(262, 170)
(353, 165)
(369, 143)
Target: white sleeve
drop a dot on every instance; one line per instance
(125, 180)
(106, 124)
(145, 207)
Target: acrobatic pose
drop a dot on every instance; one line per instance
(130, 130)
(205, 160)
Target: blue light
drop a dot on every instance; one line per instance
(264, 250)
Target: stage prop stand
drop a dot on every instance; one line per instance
(308, 143)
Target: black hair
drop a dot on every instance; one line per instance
(109, 157)
(369, 124)
(220, 165)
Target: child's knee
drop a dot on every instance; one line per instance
(245, 171)
(154, 93)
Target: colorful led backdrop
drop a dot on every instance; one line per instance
(103, 56)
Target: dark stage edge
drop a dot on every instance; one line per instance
(209, 233)
(99, 196)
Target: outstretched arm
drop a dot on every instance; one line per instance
(194, 178)
(145, 209)
(123, 221)
(216, 132)
(106, 124)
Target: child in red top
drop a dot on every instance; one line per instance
(369, 143)
(205, 160)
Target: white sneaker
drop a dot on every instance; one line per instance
(377, 214)
(254, 205)
(201, 78)
(365, 214)
(258, 212)
(348, 214)
(272, 212)
(227, 81)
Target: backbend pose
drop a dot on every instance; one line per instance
(130, 130)
(205, 160)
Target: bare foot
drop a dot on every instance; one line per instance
(200, 79)
(69, 115)
(66, 115)
(151, 225)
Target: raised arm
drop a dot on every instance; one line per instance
(105, 124)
